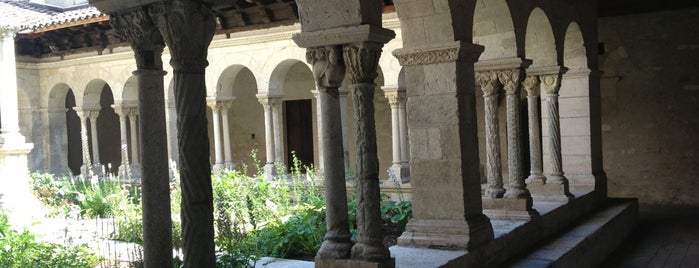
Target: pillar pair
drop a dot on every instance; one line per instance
(400, 170)
(222, 145)
(130, 168)
(272, 106)
(90, 166)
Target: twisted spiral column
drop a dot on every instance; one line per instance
(490, 86)
(551, 84)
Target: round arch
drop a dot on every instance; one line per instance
(130, 93)
(93, 93)
(574, 52)
(274, 69)
(226, 85)
(540, 43)
(493, 28)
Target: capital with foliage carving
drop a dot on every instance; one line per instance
(531, 85)
(488, 80)
(138, 30)
(187, 28)
(510, 80)
(328, 65)
(550, 83)
(362, 60)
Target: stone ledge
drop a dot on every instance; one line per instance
(509, 209)
(350, 263)
(550, 192)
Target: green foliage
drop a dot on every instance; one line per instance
(299, 235)
(395, 215)
(21, 249)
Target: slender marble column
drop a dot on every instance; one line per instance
(329, 72)
(218, 148)
(343, 92)
(96, 163)
(319, 127)
(531, 85)
(269, 169)
(228, 158)
(276, 104)
(84, 115)
(510, 79)
(362, 60)
(403, 119)
(399, 170)
(133, 117)
(490, 86)
(554, 175)
(188, 44)
(147, 44)
(124, 167)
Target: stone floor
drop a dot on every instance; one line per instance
(664, 238)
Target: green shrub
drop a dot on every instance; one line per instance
(21, 249)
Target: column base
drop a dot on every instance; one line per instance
(217, 169)
(86, 171)
(350, 263)
(270, 171)
(509, 209)
(124, 173)
(229, 166)
(98, 169)
(400, 173)
(135, 170)
(551, 191)
(447, 234)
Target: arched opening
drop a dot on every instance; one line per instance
(245, 116)
(540, 44)
(108, 133)
(298, 113)
(574, 52)
(72, 126)
(493, 29)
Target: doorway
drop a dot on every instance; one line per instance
(299, 133)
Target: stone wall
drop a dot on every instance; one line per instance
(650, 106)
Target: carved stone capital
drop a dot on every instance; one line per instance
(510, 80)
(550, 83)
(395, 97)
(361, 61)
(138, 30)
(531, 85)
(328, 65)
(458, 51)
(187, 28)
(488, 81)
(8, 31)
(120, 110)
(133, 112)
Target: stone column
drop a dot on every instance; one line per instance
(269, 169)
(218, 148)
(531, 85)
(135, 157)
(343, 92)
(399, 170)
(85, 169)
(96, 163)
(319, 128)
(15, 194)
(444, 147)
(490, 85)
(362, 60)
(510, 79)
(556, 183)
(404, 149)
(329, 72)
(147, 43)
(277, 122)
(124, 167)
(188, 28)
(227, 156)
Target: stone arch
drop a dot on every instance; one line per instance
(93, 93)
(225, 87)
(273, 70)
(574, 52)
(493, 28)
(280, 75)
(540, 43)
(130, 93)
(401, 79)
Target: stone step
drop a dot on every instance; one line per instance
(587, 243)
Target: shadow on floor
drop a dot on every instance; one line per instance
(665, 237)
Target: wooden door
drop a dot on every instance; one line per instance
(299, 132)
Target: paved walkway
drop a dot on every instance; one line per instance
(662, 239)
